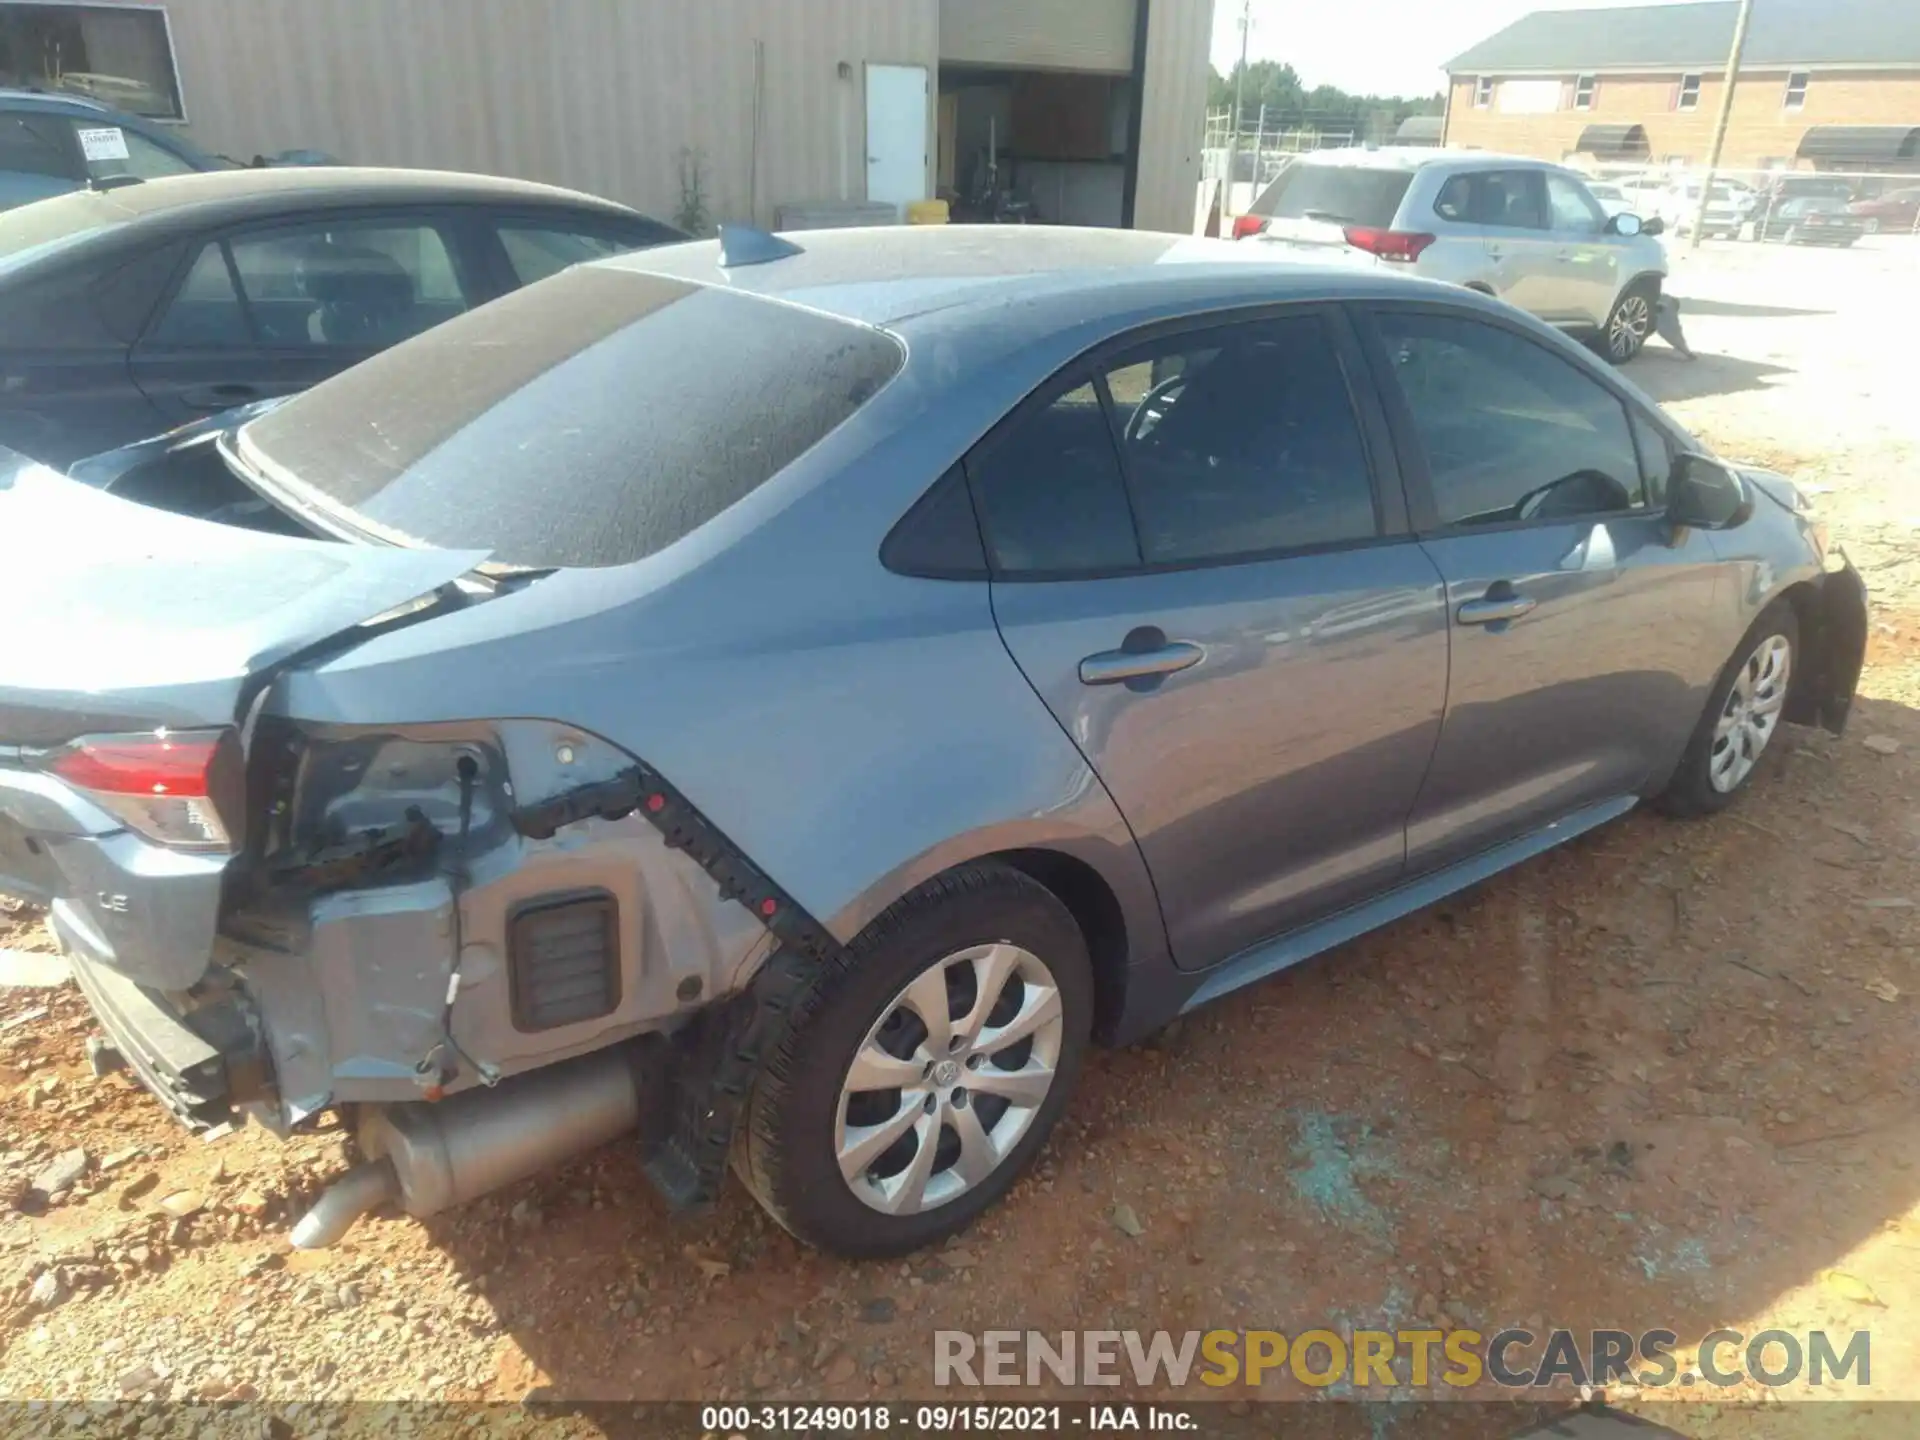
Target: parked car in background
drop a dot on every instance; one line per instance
(1897, 210)
(1728, 208)
(1612, 198)
(791, 708)
(1811, 220)
(1781, 188)
(50, 144)
(128, 311)
(1528, 232)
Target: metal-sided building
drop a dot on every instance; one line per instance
(1094, 108)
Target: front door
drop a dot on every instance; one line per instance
(1197, 571)
(1586, 260)
(1580, 617)
(897, 101)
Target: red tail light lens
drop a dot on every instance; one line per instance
(161, 784)
(1245, 225)
(1403, 246)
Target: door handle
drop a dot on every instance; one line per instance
(1499, 604)
(1115, 667)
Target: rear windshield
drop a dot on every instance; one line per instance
(592, 419)
(1339, 194)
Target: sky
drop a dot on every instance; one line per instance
(1383, 47)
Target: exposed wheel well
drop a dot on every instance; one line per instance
(1650, 282)
(1091, 902)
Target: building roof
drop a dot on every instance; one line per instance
(1796, 33)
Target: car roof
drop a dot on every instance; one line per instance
(263, 189)
(1419, 157)
(889, 274)
(12, 99)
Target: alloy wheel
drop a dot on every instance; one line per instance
(1632, 323)
(1752, 714)
(949, 1078)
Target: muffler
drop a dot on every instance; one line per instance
(432, 1156)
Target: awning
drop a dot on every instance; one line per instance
(1421, 130)
(1861, 144)
(1621, 140)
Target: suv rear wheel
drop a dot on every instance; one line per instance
(921, 1075)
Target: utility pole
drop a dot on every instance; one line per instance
(1720, 126)
(1233, 121)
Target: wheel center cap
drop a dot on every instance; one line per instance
(946, 1072)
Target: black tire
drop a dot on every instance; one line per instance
(786, 1152)
(1631, 323)
(1691, 792)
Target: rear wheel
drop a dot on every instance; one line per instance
(920, 1076)
(1742, 720)
(1631, 324)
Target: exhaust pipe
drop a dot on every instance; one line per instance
(433, 1156)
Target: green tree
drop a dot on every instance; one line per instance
(1291, 105)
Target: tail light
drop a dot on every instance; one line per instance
(1403, 246)
(1246, 225)
(166, 784)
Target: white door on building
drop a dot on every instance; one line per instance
(897, 101)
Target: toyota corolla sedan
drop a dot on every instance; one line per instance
(787, 701)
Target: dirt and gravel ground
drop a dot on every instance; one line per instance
(1661, 1078)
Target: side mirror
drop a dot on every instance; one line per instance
(1703, 494)
(1655, 226)
(1625, 224)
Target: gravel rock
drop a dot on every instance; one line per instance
(47, 1291)
(64, 1173)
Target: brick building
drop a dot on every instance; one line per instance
(1824, 84)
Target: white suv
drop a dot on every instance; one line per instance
(1524, 230)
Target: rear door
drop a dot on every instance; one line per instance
(1200, 563)
(1509, 208)
(1581, 619)
(271, 310)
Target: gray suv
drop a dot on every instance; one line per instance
(1528, 232)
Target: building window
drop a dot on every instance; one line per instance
(1689, 93)
(1483, 93)
(1797, 90)
(119, 55)
(1583, 89)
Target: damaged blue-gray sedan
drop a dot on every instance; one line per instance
(785, 702)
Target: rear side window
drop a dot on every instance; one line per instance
(536, 251)
(1050, 496)
(1514, 199)
(591, 420)
(1338, 194)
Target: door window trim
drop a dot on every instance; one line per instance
(1390, 496)
(449, 221)
(1424, 511)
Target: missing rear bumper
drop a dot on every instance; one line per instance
(202, 1064)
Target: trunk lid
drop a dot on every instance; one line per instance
(126, 619)
(122, 616)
